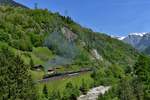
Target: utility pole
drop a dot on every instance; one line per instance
(36, 6)
(66, 13)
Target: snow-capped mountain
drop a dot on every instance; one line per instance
(121, 38)
(140, 41)
(139, 34)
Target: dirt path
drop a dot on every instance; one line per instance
(94, 93)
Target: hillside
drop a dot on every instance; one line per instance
(63, 58)
(11, 3)
(24, 29)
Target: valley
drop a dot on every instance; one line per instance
(47, 56)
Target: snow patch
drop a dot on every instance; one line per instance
(139, 34)
(118, 37)
(121, 38)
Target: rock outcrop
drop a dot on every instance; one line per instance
(70, 36)
(96, 55)
(94, 93)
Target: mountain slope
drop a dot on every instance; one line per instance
(52, 45)
(24, 29)
(11, 3)
(140, 41)
(147, 50)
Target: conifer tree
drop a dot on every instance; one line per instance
(15, 79)
(45, 91)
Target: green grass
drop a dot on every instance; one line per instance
(43, 53)
(26, 57)
(39, 55)
(37, 75)
(36, 60)
(59, 85)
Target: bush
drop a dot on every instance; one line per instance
(22, 44)
(71, 92)
(84, 88)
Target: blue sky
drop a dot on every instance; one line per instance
(114, 17)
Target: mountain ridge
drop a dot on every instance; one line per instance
(140, 41)
(12, 3)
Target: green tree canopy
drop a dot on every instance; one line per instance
(15, 79)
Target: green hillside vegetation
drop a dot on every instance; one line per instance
(147, 50)
(11, 3)
(40, 37)
(16, 82)
(24, 29)
(134, 86)
(56, 86)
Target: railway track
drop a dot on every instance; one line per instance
(64, 75)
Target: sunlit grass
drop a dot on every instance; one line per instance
(59, 85)
(37, 75)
